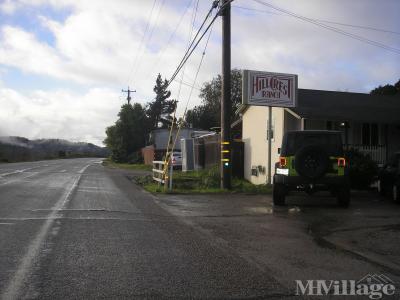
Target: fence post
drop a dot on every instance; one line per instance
(171, 169)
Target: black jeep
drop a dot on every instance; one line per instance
(311, 160)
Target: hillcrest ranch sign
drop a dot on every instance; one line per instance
(269, 89)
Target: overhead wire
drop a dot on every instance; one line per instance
(194, 15)
(149, 38)
(191, 91)
(194, 43)
(331, 28)
(321, 20)
(167, 155)
(167, 44)
(192, 87)
(139, 48)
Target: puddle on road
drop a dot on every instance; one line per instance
(260, 210)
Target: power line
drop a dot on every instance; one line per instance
(331, 28)
(150, 36)
(321, 20)
(191, 48)
(191, 90)
(149, 17)
(194, 15)
(195, 44)
(163, 50)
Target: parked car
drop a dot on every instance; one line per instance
(389, 179)
(176, 158)
(311, 160)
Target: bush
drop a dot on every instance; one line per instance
(212, 178)
(362, 169)
(135, 158)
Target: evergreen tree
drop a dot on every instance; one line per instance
(128, 135)
(160, 110)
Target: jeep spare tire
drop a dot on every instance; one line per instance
(311, 161)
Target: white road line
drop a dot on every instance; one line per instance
(24, 269)
(15, 172)
(6, 223)
(83, 169)
(19, 179)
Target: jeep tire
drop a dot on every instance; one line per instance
(278, 194)
(311, 161)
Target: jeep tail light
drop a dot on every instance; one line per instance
(282, 161)
(341, 162)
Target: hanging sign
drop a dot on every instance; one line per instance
(269, 89)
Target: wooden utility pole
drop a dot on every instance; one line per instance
(226, 165)
(129, 94)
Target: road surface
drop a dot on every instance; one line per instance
(73, 229)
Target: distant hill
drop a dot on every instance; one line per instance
(14, 148)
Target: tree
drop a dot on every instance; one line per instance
(159, 111)
(128, 135)
(207, 115)
(387, 89)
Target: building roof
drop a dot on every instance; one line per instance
(345, 106)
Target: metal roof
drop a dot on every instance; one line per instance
(345, 106)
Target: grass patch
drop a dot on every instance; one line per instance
(201, 182)
(142, 167)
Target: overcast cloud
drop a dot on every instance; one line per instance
(64, 62)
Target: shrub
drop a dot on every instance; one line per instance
(211, 178)
(362, 169)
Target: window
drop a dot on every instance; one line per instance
(370, 134)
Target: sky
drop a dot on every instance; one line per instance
(63, 63)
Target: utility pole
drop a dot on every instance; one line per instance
(129, 94)
(226, 167)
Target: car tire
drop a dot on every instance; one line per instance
(343, 197)
(279, 194)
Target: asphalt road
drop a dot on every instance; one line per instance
(74, 229)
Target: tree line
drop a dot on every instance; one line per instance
(135, 121)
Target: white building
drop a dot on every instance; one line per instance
(369, 123)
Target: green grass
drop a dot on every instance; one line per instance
(126, 166)
(201, 182)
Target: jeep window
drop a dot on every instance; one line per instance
(294, 141)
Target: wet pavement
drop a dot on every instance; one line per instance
(73, 229)
(310, 238)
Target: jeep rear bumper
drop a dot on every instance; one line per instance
(293, 182)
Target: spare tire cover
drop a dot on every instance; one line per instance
(311, 161)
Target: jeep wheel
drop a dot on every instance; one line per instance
(343, 197)
(278, 194)
(311, 162)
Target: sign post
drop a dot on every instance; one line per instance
(272, 90)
